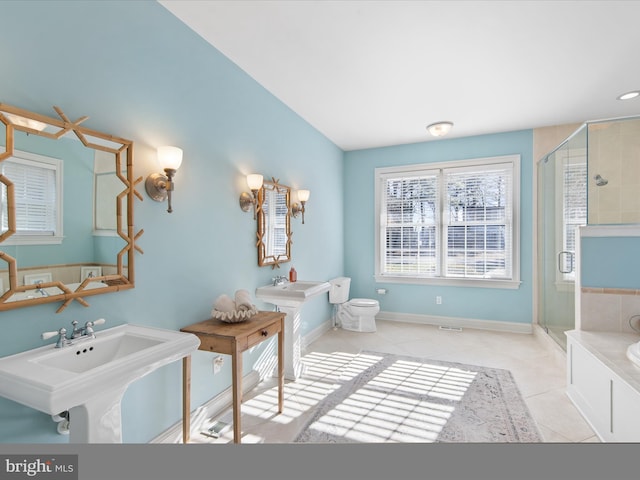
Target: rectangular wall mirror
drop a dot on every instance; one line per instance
(66, 208)
(274, 224)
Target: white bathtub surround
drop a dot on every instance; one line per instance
(604, 384)
(609, 310)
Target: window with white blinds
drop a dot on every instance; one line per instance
(574, 212)
(449, 222)
(37, 198)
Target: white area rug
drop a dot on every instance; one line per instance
(396, 398)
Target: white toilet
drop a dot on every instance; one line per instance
(357, 314)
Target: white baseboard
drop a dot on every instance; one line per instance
(456, 322)
(315, 334)
(212, 408)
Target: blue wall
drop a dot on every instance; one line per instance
(476, 303)
(141, 74)
(610, 262)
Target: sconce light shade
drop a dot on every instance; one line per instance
(303, 195)
(159, 186)
(298, 208)
(170, 157)
(254, 180)
(440, 129)
(249, 200)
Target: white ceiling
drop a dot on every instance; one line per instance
(375, 73)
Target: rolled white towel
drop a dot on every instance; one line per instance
(243, 300)
(224, 303)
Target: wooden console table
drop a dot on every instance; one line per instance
(233, 339)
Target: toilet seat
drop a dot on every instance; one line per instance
(363, 302)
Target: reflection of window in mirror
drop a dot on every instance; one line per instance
(275, 210)
(107, 187)
(37, 181)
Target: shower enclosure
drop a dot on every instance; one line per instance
(592, 178)
(562, 206)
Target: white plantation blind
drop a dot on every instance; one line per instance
(574, 211)
(411, 212)
(478, 221)
(37, 202)
(453, 220)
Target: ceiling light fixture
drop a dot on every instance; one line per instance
(629, 95)
(440, 129)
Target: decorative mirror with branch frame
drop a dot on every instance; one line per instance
(89, 195)
(274, 224)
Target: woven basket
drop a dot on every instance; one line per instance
(234, 317)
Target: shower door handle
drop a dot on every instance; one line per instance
(561, 261)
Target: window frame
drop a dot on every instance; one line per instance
(383, 173)
(55, 164)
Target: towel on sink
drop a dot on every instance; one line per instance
(224, 303)
(243, 300)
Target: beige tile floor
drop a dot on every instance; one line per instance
(537, 369)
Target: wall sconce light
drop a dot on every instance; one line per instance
(159, 186)
(249, 200)
(297, 208)
(440, 129)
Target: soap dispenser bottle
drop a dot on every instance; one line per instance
(293, 275)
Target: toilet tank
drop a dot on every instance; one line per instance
(339, 291)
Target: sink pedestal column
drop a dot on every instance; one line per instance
(292, 342)
(99, 420)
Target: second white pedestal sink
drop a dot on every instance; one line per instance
(289, 297)
(89, 377)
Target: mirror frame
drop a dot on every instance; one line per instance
(263, 258)
(120, 147)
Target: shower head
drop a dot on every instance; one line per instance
(600, 182)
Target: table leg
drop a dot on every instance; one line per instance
(236, 367)
(281, 368)
(186, 398)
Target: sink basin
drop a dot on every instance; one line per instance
(291, 293)
(633, 353)
(89, 377)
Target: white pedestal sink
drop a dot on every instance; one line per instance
(89, 377)
(289, 297)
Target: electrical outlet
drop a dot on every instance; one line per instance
(438, 300)
(217, 364)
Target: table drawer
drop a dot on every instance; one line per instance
(215, 344)
(262, 334)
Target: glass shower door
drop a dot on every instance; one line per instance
(562, 207)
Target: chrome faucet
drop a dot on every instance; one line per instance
(279, 280)
(77, 333)
(41, 290)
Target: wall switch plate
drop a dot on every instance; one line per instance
(381, 291)
(217, 364)
(438, 300)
